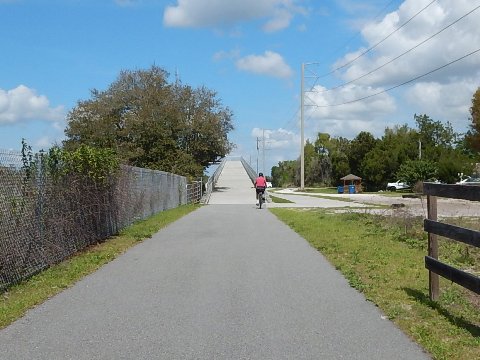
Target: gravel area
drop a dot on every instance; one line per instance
(392, 204)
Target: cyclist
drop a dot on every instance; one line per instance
(260, 185)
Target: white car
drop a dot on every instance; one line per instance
(469, 181)
(269, 184)
(397, 185)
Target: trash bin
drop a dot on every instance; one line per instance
(340, 189)
(351, 189)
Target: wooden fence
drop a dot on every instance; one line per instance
(434, 228)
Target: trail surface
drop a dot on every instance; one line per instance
(225, 282)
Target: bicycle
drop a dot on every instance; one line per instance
(261, 199)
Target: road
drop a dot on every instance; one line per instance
(228, 281)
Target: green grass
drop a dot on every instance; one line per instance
(19, 298)
(325, 190)
(384, 259)
(277, 199)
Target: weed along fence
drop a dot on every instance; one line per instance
(434, 228)
(44, 220)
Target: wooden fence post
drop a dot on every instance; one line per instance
(433, 279)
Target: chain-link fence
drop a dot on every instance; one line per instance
(194, 192)
(44, 220)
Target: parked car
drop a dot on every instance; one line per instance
(469, 181)
(269, 184)
(397, 185)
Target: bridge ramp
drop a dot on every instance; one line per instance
(233, 186)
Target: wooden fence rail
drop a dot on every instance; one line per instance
(434, 228)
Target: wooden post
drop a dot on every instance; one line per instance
(433, 279)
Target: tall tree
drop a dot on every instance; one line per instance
(359, 148)
(152, 123)
(381, 164)
(434, 137)
(285, 174)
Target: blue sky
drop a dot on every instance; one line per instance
(53, 52)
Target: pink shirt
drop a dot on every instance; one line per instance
(261, 182)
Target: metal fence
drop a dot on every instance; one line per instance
(212, 180)
(194, 192)
(45, 220)
(251, 173)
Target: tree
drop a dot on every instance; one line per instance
(413, 171)
(332, 158)
(434, 137)
(359, 148)
(151, 123)
(381, 164)
(377, 167)
(452, 163)
(473, 135)
(312, 170)
(323, 162)
(285, 173)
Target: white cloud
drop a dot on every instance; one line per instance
(280, 145)
(43, 142)
(327, 111)
(212, 13)
(281, 20)
(270, 63)
(226, 55)
(277, 139)
(326, 104)
(444, 102)
(447, 46)
(22, 103)
(444, 95)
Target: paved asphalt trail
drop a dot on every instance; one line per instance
(224, 282)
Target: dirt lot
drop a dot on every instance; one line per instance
(413, 206)
(418, 206)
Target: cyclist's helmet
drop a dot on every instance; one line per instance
(261, 174)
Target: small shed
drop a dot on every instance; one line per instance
(351, 179)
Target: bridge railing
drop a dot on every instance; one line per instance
(210, 184)
(251, 173)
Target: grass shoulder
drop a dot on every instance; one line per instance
(384, 259)
(19, 298)
(280, 200)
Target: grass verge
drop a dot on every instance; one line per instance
(386, 263)
(279, 200)
(19, 298)
(324, 190)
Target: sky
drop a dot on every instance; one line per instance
(368, 64)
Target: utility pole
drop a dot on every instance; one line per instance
(257, 153)
(263, 150)
(302, 148)
(419, 149)
(302, 123)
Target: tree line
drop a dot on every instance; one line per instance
(430, 151)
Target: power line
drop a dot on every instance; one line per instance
(378, 43)
(399, 85)
(402, 54)
(358, 33)
(353, 37)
